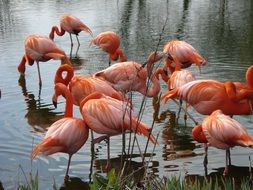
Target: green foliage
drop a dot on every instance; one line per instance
(107, 183)
(32, 184)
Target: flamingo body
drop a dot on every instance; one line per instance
(106, 115)
(223, 132)
(109, 42)
(131, 76)
(71, 24)
(179, 78)
(82, 86)
(184, 53)
(40, 48)
(66, 135)
(206, 96)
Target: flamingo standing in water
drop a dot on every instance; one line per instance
(132, 76)
(72, 25)
(40, 48)
(109, 116)
(222, 132)
(185, 54)
(110, 43)
(206, 96)
(82, 86)
(179, 78)
(66, 135)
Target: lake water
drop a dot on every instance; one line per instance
(222, 31)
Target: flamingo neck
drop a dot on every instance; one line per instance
(94, 95)
(57, 31)
(249, 76)
(69, 103)
(62, 90)
(21, 66)
(121, 54)
(155, 88)
(198, 135)
(59, 74)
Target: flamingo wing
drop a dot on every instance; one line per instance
(223, 132)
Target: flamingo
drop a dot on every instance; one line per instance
(206, 96)
(66, 135)
(109, 116)
(223, 132)
(110, 43)
(72, 25)
(179, 78)
(184, 52)
(132, 76)
(40, 48)
(82, 86)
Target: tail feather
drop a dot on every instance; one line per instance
(144, 130)
(169, 94)
(47, 146)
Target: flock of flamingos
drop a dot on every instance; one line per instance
(107, 111)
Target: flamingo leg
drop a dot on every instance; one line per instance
(179, 110)
(71, 40)
(108, 164)
(229, 157)
(205, 162)
(226, 164)
(67, 171)
(92, 144)
(38, 67)
(77, 41)
(109, 61)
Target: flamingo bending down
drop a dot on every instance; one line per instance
(82, 86)
(109, 116)
(131, 76)
(40, 48)
(206, 96)
(72, 25)
(66, 135)
(184, 52)
(110, 43)
(223, 132)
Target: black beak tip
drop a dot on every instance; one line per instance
(55, 104)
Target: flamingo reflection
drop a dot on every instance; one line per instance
(39, 115)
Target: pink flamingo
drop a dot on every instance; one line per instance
(206, 96)
(72, 25)
(66, 135)
(131, 76)
(82, 86)
(109, 116)
(110, 43)
(223, 132)
(40, 48)
(184, 52)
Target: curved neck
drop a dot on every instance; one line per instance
(249, 76)
(59, 74)
(21, 66)
(198, 134)
(57, 31)
(62, 90)
(94, 95)
(121, 54)
(163, 74)
(155, 88)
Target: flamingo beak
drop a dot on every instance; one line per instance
(55, 103)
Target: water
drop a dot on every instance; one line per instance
(221, 30)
